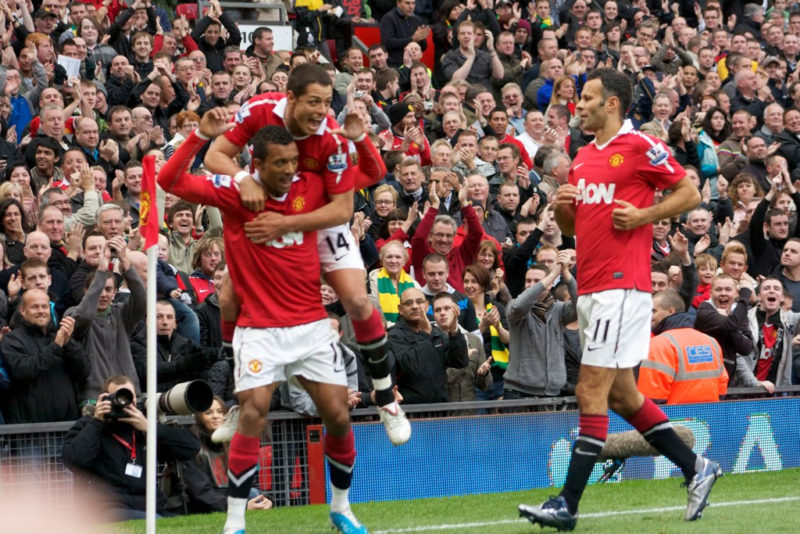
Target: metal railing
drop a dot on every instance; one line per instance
(30, 455)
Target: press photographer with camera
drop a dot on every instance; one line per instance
(106, 451)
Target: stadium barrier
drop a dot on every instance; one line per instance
(456, 448)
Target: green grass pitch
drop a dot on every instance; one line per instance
(748, 504)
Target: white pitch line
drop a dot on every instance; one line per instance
(589, 515)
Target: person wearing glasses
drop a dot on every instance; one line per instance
(422, 353)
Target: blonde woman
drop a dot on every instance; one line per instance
(388, 282)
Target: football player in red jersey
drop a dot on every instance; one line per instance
(304, 112)
(608, 206)
(277, 284)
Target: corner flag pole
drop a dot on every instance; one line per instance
(149, 225)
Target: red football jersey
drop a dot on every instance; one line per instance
(277, 283)
(630, 167)
(322, 153)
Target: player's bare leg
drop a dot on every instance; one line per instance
(243, 453)
(642, 413)
(340, 451)
(350, 286)
(229, 310)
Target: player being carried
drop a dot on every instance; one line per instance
(282, 331)
(608, 206)
(304, 112)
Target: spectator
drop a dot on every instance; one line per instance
(467, 62)
(683, 365)
(436, 233)
(724, 317)
(207, 35)
(767, 249)
(399, 27)
(98, 449)
(104, 327)
(769, 363)
(492, 324)
(462, 383)
(789, 273)
(422, 352)
(179, 359)
(536, 364)
(46, 366)
(388, 282)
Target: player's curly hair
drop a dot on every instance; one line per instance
(616, 84)
(269, 135)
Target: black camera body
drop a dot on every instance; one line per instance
(119, 400)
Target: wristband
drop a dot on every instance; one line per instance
(241, 175)
(360, 138)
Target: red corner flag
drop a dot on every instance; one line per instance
(148, 210)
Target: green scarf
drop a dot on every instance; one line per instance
(388, 298)
(499, 350)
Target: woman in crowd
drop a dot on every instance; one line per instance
(743, 189)
(388, 282)
(492, 325)
(12, 222)
(212, 463)
(489, 259)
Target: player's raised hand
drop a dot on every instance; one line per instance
(353, 127)
(627, 216)
(215, 122)
(267, 226)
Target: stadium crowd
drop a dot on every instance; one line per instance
(476, 144)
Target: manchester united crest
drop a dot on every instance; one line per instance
(298, 204)
(311, 164)
(616, 160)
(254, 366)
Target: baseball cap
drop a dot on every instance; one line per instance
(42, 13)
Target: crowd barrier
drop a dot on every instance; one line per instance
(456, 448)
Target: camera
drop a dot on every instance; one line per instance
(427, 105)
(359, 94)
(186, 398)
(119, 400)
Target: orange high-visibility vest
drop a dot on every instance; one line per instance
(683, 366)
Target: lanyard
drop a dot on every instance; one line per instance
(128, 446)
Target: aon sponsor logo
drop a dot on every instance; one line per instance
(288, 239)
(595, 193)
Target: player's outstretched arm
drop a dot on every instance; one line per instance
(564, 209)
(220, 160)
(684, 196)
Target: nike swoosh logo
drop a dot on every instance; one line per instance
(338, 258)
(576, 166)
(582, 452)
(590, 349)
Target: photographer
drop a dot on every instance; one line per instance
(107, 450)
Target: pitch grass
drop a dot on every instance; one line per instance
(497, 513)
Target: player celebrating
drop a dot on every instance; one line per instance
(282, 330)
(304, 112)
(608, 206)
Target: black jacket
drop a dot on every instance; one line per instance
(213, 53)
(45, 378)
(180, 360)
(732, 331)
(209, 317)
(91, 450)
(421, 360)
(766, 251)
